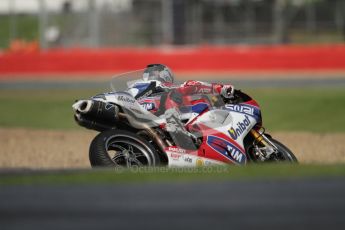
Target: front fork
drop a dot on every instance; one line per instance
(263, 147)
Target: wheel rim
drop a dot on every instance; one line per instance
(280, 155)
(125, 151)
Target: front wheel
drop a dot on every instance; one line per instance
(277, 152)
(118, 148)
(282, 154)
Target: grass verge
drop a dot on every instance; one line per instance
(144, 175)
(311, 109)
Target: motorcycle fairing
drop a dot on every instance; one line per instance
(218, 143)
(178, 157)
(227, 149)
(245, 108)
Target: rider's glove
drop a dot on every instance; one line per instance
(227, 91)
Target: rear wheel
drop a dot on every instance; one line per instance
(118, 148)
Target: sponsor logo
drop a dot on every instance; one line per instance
(199, 162)
(205, 90)
(175, 156)
(241, 109)
(209, 163)
(125, 99)
(235, 153)
(227, 149)
(177, 150)
(188, 159)
(241, 127)
(148, 106)
(108, 106)
(204, 162)
(191, 83)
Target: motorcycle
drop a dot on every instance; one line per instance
(203, 130)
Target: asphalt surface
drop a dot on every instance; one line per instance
(266, 204)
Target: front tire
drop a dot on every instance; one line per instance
(119, 148)
(284, 154)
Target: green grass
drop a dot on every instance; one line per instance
(144, 175)
(303, 109)
(41, 109)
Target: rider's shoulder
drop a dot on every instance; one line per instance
(195, 83)
(191, 83)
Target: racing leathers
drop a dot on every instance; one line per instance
(168, 95)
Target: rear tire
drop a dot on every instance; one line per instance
(119, 148)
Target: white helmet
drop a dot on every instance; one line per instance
(158, 72)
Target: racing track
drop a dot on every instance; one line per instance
(261, 204)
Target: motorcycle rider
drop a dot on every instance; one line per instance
(188, 97)
(158, 78)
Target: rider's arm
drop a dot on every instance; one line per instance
(199, 87)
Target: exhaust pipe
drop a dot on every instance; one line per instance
(96, 115)
(85, 106)
(91, 124)
(97, 110)
(82, 106)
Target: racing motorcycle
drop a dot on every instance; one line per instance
(204, 130)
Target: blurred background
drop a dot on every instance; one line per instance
(287, 54)
(113, 23)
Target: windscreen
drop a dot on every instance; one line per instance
(123, 82)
